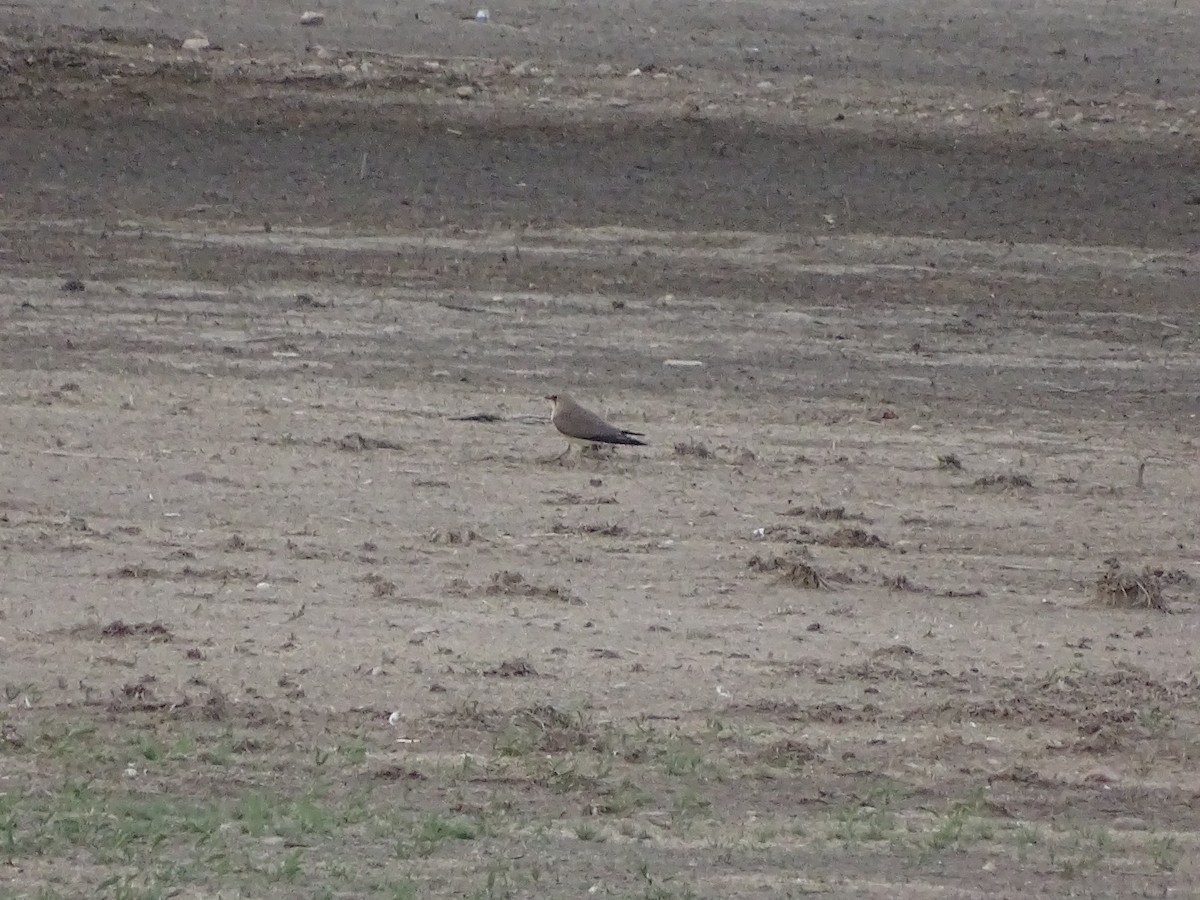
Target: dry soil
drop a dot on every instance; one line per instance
(296, 601)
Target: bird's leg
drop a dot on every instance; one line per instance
(560, 459)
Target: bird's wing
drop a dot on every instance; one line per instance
(584, 425)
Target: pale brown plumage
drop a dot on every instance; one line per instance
(582, 425)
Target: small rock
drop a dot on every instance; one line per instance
(311, 18)
(196, 43)
(466, 92)
(74, 285)
(1101, 775)
(483, 16)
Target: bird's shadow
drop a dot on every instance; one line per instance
(594, 453)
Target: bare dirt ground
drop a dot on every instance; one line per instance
(295, 601)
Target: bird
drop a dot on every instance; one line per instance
(584, 427)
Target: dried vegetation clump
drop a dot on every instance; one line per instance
(950, 461)
(460, 535)
(790, 571)
(824, 513)
(902, 582)
(513, 584)
(853, 537)
(788, 754)
(358, 443)
(1008, 482)
(694, 448)
(154, 630)
(381, 587)
(1119, 588)
(793, 534)
(604, 529)
(512, 668)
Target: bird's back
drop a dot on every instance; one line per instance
(582, 424)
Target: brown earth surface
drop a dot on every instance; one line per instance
(900, 601)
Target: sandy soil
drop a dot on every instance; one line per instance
(296, 600)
